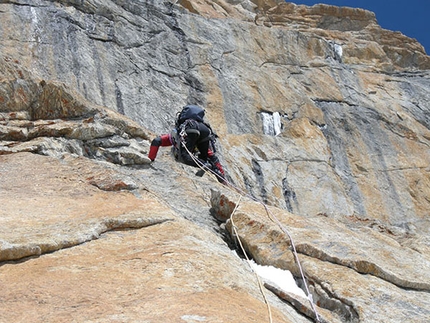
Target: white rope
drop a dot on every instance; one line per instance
(271, 216)
(249, 263)
(201, 165)
(296, 255)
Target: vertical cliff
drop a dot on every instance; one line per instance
(341, 84)
(321, 113)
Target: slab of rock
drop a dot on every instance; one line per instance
(362, 267)
(50, 119)
(50, 204)
(166, 272)
(119, 255)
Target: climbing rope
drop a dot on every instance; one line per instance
(296, 255)
(270, 215)
(248, 260)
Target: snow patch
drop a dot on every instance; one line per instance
(34, 15)
(271, 123)
(193, 318)
(283, 279)
(338, 50)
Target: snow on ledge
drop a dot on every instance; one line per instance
(283, 279)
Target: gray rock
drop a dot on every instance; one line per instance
(100, 79)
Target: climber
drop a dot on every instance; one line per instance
(193, 142)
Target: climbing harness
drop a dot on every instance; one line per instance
(270, 215)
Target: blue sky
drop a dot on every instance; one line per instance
(407, 16)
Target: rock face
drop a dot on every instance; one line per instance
(321, 114)
(49, 119)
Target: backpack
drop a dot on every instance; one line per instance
(193, 112)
